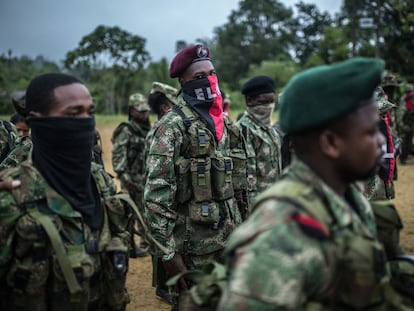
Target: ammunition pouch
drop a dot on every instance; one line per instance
(389, 225)
(402, 275)
(205, 213)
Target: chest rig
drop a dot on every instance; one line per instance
(208, 171)
(58, 259)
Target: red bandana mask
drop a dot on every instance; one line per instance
(204, 97)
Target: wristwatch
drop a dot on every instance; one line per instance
(168, 257)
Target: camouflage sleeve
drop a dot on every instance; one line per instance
(274, 265)
(119, 153)
(18, 154)
(251, 155)
(160, 187)
(9, 213)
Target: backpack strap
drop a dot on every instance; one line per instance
(180, 112)
(126, 198)
(60, 251)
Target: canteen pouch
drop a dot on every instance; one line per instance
(359, 284)
(205, 213)
(222, 181)
(389, 225)
(83, 267)
(115, 267)
(201, 179)
(200, 140)
(239, 159)
(182, 167)
(402, 275)
(28, 281)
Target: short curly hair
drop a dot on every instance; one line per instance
(39, 93)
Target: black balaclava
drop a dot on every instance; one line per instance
(62, 152)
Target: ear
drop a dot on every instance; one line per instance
(330, 144)
(34, 114)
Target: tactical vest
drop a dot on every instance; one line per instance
(207, 174)
(58, 262)
(361, 280)
(136, 146)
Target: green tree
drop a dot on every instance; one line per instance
(16, 73)
(257, 31)
(310, 24)
(111, 57)
(391, 35)
(279, 71)
(333, 47)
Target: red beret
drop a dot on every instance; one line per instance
(186, 57)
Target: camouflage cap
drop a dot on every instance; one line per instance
(384, 105)
(390, 79)
(139, 102)
(382, 101)
(169, 91)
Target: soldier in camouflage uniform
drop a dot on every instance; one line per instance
(128, 158)
(8, 138)
(19, 146)
(406, 124)
(311, 242)
(381, 186)
(379, 189)
(162, 97)
(194, 168)
(262, 141)
(63, 244)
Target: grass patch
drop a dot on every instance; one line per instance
(104, 119)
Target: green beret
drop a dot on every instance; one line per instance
(315, 96)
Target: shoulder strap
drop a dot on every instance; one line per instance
(180, 112)
(57, 245)
(126, 198)
(119, 128)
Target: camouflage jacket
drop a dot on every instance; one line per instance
(128, 153)
(304, 245)
(20, 152)
(264, 163)
(405, 119)
(377, 189)
(44, 241)
(178, 188)
(8, 138)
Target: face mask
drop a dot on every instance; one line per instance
(62, 152)
(204, 97)
(262, 113)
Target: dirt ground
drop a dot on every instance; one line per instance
(140, 273)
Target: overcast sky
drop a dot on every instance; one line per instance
(53, 27)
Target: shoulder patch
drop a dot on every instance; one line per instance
(310, 226)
